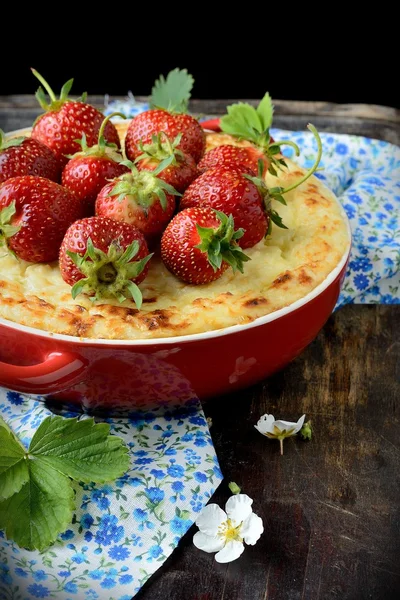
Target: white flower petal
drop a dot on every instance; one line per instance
(230, 552)
(208, 543)
(238, 507)
(265, 424)
(251, 529)
(210, 519)
(287, 425)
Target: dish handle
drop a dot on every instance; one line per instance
(58, 371)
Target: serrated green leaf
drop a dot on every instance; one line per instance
(83, 450)
(265, 111)
(13, 465)
(172, 92)
(43, 508)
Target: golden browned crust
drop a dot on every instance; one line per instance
(285, 268)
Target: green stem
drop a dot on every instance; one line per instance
(45, 85)
(288, 143)
(313, 168)
(104, 123)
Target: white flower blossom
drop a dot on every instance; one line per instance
(278, 430)
(224, 532)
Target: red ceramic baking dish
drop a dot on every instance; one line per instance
(141, 374)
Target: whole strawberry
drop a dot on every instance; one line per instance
(230, 191)
(105, 259)
(169, 102)
(65, 121)
(88, 171)
(34, 216)
(164, 158)
(247, 157)
(140, 199)
(25, 156)
(200, 244)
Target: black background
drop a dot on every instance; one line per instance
(234, 53)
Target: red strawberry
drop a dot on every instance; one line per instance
(35, 213)
(146, 124)
(88, 171)
(140, 199)
(25, 156)
(228, 156)
(200, 244)
(104, 258)
(169, 99)
(230, 191)
(66, 120)
(170, 164)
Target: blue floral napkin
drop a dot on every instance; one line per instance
(123, 532)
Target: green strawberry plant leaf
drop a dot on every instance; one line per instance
(173, 92)
(36, 493)
(13, 466)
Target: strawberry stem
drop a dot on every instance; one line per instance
(109, 275)
(314, 167)
(221, 245)
(100, 138)
(45, 85)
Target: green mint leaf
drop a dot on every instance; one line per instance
(43, 508)
(172, 92)
(83, 450)
(265, 111)
(13, 465)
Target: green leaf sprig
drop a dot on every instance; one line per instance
(36, 492)
(246, 122)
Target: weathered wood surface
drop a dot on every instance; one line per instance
(379, 122)
(330, 506)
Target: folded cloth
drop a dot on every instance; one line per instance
(124, 531)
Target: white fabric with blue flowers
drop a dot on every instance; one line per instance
(123, 532)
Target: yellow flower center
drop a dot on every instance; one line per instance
(229, 532)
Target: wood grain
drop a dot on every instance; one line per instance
(380, 122)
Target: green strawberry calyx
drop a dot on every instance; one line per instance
(221, 245)
(162, 150)
(246, 122)
(172, 93)
(7, 230)
(10, 142)
(109, 275)
(277, 193)
(55, 103)
(144, 186)
(102, 148)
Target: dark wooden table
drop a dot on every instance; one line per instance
(330, 506)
